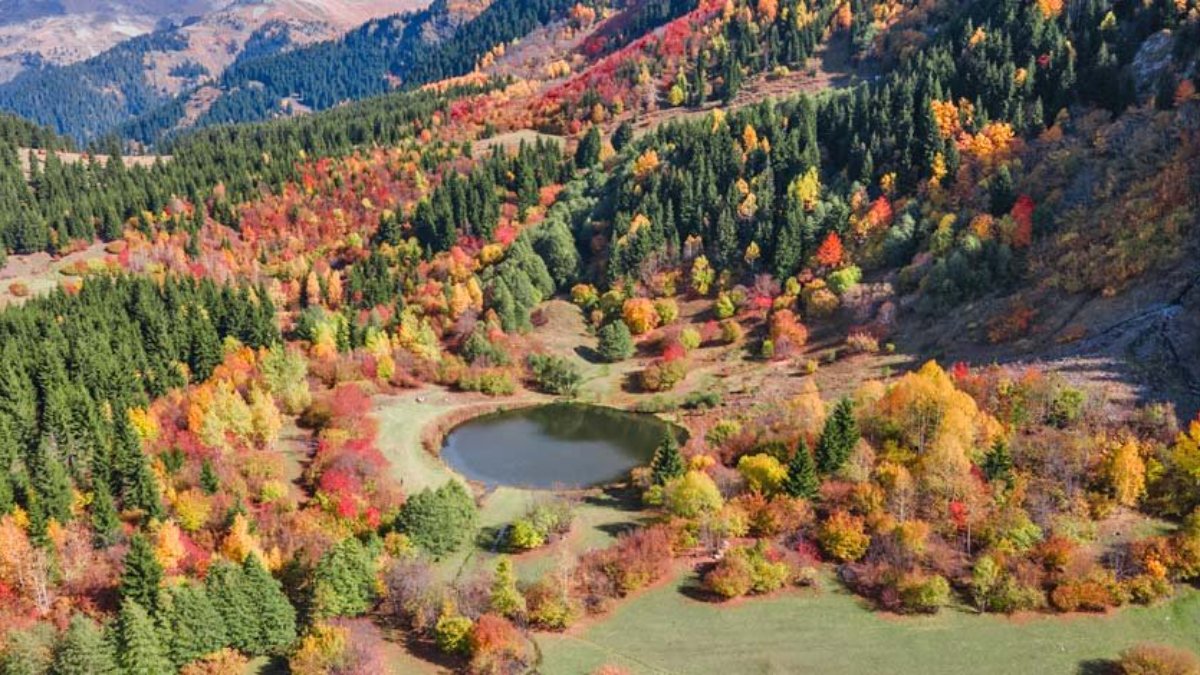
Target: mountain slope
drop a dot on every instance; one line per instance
(87, 99)
(60, 32)
(444, 41)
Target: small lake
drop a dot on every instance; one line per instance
(558, 445)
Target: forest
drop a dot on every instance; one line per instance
(220, 427)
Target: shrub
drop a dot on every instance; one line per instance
(497, 647)
(1148, 658)
(663, 375)
(550, 605)
(842, 537)
(555, 374)
(585, 296)
(1146, 588)
(1066, 407)
(747, 569)
(763, 473)
(689, 338)
(18, 289)
(862, 343)
(523, 535)
(667, 310)
(786, 327)
(701, 399)
(615, 342)
(490, 382)
(819, 301)
(641, 315)
(731, 577)
(477, 349)
(923, 594)
(768, 349)
(453, 633)
(722, 431)
(767, 576)
(642, 557)
(691, 495)
(1091, 594)
(732, 332)
(725, 306)
(321, 651)
(223, 662)
(844, 279)
(540, 524)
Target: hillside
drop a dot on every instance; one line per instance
(150, 65)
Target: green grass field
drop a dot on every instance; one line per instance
(830, 632)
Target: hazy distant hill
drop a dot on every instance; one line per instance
(35, 32)
(84, 67)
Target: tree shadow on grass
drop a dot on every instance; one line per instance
(276, 666)
(492, 539)
(590, 355)
(617, 497)
(615, 530)
(426, 650)
(1098, 667)
(693, 586)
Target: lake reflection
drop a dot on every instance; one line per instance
(556, 445)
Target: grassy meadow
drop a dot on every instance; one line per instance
(829, 631)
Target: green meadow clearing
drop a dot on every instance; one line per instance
(829, 631)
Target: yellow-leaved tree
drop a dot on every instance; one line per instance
(1126, 471)
(168, 545)
(941, 424)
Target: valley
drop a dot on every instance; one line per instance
(604, 337)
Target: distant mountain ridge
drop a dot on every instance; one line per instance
(34, 33)
(84, 68)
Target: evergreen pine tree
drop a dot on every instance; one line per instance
(623, 136)
(838, 438)
(588, 152)
(727, 251)
(615, 341)
(439, 521)
(275, 618)
(344, 580)
(140, 650)
(209, 482)
(7, 500)
(106, 522)
(506, 600)
(998, 463)
(143, 575)
(204, 353)
(668, 461)
(82, 650)
(50, 487)
(230, 596)
(192, 626)
(802, 480)
(139, 487)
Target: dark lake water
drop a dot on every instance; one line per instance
(559, 445)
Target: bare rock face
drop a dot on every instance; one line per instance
(1152, 59)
